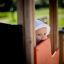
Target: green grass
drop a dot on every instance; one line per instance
(45, 12)
(61, 17)
(12, 17)
(41, 12)
(61, 22)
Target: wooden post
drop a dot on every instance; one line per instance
(61, 41)
(20, 11)
(26, 18)
(53, 23)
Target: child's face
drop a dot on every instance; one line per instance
(41, 34)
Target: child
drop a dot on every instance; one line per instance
(42, 30)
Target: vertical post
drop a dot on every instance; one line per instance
(61, 41)
(26, 18)
(20, 19)
(20, 11)
(29, 30)
(53, 23)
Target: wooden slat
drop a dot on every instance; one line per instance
(20, 11)
(55, 57)
(61, 41)
(26, 18)
(53, 23)
(43, 52)
(20, 16)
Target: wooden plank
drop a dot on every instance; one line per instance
(53, 23)
(43, 52)
(20, 19)
(55, 57)
(26, 18)
(61, 41)
(20, 11)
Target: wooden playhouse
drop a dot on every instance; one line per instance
(51, 50)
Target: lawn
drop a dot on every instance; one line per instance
(45, 12)
(9, 16)
(12, 17)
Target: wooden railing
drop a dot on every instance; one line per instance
(43, 54)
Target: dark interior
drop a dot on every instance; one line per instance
(11, 44)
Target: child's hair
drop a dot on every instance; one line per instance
(39, 24)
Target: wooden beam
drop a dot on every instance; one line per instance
(20, 11)
(61, 41)
(29, 34)
(53, 23)
(26, 10)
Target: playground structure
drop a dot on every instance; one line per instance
(12, 50)
(43, 54)
(26, 19)
(46, 52)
